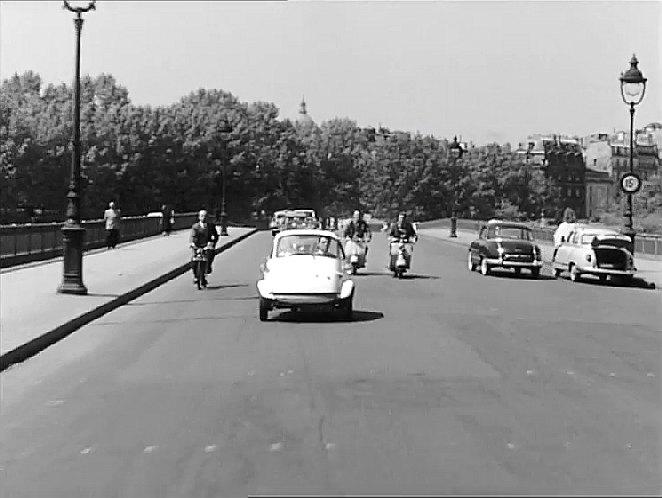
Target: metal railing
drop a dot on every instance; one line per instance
(32, 242)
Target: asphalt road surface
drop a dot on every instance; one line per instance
(445, 383)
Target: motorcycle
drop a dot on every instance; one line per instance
(401, 249)
(200, 259)
(356, 250)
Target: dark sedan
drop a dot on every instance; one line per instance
(504, 244)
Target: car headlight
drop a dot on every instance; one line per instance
(588, 258)
(500, 250)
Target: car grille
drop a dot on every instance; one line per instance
(522, 258)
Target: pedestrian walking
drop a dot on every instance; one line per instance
(166, 223)
(112, 218)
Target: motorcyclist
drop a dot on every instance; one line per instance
(402, 228)
(204, 235)
(358, 227)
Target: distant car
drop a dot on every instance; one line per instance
(505, 244)
(600, 252)
(305, 270)
(278, 219)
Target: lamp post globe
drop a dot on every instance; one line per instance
(73, 233)
(456, 152)
(633, 89)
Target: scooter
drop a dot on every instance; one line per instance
(401, 249)
(356, 250)
(200, 262)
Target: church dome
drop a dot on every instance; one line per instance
(304, 118)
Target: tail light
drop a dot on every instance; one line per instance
(588, 258)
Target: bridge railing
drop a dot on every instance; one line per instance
(33, 242)
(643, 244)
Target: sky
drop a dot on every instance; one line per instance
(488, 71)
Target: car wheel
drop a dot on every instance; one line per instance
(574, 274)
(518, 271)
(484, 267)
(470, 264)
(264, 309)
(535, 272)
(557, 272)
(603, 278)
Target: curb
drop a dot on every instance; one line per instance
(38, 344)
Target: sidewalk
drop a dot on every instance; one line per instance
(33, 315)
(649, 268)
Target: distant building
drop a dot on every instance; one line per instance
(599, 191)
(303, 119)
(564, 165)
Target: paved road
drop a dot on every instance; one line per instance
(448, 382)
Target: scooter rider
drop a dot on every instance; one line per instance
(204, 235)
(402, 227)
(358, 227)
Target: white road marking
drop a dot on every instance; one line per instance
(282, 374)
(150, 449)
(628, 445)
(290, 372)
(570, 372)
(612, 374)
(650, 374)
(56, 402)
(276, 447)
(511, 445)
(566, 444)
(210, 448)
(86, 451)
(251, 373)
(329, 446)
(529, 372)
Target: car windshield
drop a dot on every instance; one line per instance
(517, 233)
(308, 245)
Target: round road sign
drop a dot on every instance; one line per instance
(630, 183)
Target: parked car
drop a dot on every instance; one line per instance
(505, 244)
(306, 270)
(602, 252)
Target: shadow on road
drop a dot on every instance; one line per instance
(414, 276)
(637, 283)
(407, 276)
(326, 317)
(214, 287)
(94, 294)
(521, 276)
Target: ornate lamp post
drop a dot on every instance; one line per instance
(223, 129)
(72, 231)
(456, 152)
(633, 88)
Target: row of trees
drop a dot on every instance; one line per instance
(142, 157)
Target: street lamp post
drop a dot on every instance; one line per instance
(633, 88)
(456, 151)
(224, 128)
(73, 232)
